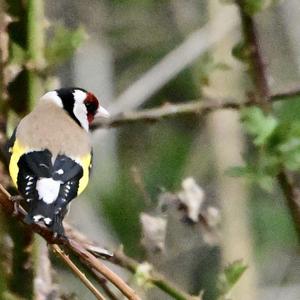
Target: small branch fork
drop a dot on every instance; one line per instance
(88, 253)
(56, 249)
(78, 249)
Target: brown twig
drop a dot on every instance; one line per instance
(104, 284)
(199, 107)
(57, 250)
(287, 94)
(86, 257)
(92, 262)
(169, 110)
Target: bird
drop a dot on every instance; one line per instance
(50, 154)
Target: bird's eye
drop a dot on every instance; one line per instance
(91, 106)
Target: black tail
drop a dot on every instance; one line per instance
(39, 211)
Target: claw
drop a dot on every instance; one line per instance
(57, 227)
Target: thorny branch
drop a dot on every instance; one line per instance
(259, 75)
(88, 252)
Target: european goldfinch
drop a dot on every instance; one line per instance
(51, 154)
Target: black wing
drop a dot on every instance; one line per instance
(64, 173)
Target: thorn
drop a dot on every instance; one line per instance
(16, 200)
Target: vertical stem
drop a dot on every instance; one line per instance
(259, 76)
(25, 245)
(257, 65)
(35, 53)
(35, 46)
(292, 196)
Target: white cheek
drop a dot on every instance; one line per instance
(80, 113)
(79, 96)
(80, 110)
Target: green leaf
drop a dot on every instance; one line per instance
(230, 276)
(63, 44)
(258, 124)
(289, 110)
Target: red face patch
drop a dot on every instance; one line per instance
(92, 104)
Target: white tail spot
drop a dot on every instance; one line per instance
(48, 189)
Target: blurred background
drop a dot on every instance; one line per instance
(147, 53)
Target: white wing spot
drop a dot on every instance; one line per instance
(60, 172)
(47, 221)
(37, 218)
(48, 189)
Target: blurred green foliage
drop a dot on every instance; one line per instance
(229, 277)
(271, 223)
(62, 45)
(277, 138)
(251, 7)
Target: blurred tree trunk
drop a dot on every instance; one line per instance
(228, 142)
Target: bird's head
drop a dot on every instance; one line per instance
(81, 105)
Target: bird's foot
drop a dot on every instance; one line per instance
(16, 200)
(58, 228)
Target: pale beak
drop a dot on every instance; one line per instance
(102, 112)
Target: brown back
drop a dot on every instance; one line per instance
(50, 127)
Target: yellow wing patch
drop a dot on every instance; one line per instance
(85, 163)
(17, 151)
